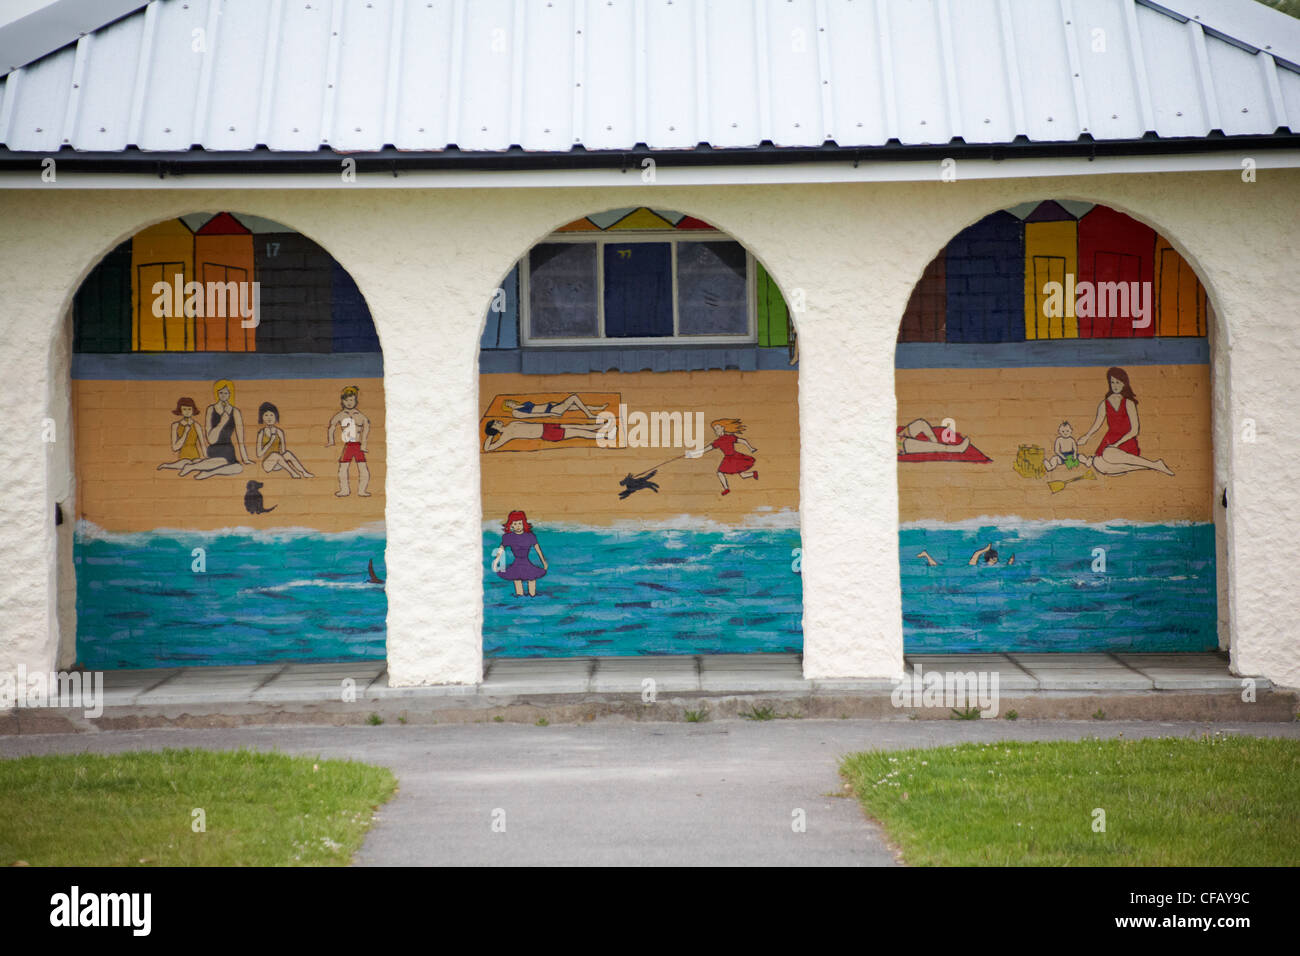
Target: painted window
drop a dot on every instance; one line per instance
(637, 289)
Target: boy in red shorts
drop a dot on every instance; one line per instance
(354, 427)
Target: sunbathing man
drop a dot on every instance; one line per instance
(498, 432)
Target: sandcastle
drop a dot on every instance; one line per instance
(1029, 462)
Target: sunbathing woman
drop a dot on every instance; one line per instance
(1118, 451)
(187, 436)
(273, 448)
(918, 438)
(226, 454)
(550, 409)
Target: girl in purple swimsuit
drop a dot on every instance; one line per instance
(520, 540)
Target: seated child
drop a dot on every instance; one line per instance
(1066, 450)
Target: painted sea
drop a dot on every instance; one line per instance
(265, 597)
(615, 592)
(1155, 591)
(261, 598)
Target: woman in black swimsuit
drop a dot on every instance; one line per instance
(550, 409)
(225, 435)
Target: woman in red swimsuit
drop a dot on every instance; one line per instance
(1118, 451)
(733, 462)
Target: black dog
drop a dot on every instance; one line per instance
(636, 484)
(253, 499)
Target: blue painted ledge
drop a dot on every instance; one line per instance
(181, 366)
(1053, 352)
(547, 361)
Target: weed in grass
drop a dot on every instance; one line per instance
(968, 713)
(1012, 715)
(374, 720)
(401, 719)
(543, 722)
(697, 716)
(759, 713)
(498, 719)
(1099, 715)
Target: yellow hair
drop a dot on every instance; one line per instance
(508, 404)
(349, 390)
(224, 383)
(732, 426)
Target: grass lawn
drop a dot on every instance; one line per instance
(259, 809)
(1216, 801)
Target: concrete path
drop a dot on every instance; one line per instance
(616, 792)
(1175, 687)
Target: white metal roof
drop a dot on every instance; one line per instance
(549, 75)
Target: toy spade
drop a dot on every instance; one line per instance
(1060, 485)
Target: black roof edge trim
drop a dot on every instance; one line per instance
(326, 161)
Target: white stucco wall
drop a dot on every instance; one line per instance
(429, 259)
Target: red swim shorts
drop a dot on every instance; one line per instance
(352, 452)
(552, 433)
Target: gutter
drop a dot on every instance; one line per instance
(263, 161)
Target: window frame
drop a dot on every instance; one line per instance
(623, 237)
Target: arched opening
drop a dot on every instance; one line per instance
(1055, 440)
(228, 407)
(640, 446)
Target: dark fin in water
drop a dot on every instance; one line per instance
(370, 570)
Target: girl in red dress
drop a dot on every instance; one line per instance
(1118, 451)
(733, 462)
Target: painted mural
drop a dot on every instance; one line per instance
(1070, 341)
(228, 406)
(641, 516)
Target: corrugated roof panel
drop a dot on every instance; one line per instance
(298, 91)
(36, 122)
(167, 121)
(105, 111)
(1047, 86)
(238, 65)
(486, 52)
(919, 70)
(1239, 87)
(856, 88)
(1106, 63)
(1290, 85)
(731, 49)
(794, 69)
(548, 84)
(361, 89)
(670, 75)
(548, 75)
(983, 92)
(1172, 75)
(423, 90)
